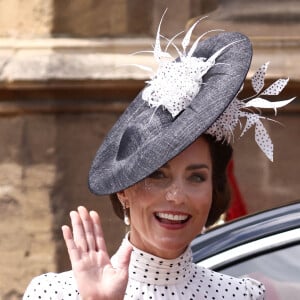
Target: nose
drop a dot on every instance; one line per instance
(175, 193)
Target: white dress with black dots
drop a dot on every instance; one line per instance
(151, 277)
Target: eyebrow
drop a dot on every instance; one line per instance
(197, 166)
(191, 167)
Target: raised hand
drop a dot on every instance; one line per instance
(96, 278)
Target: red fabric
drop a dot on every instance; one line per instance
(237, 207)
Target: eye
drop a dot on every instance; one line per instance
(197, 177)
(158, 174)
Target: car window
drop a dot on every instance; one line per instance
(279, 270)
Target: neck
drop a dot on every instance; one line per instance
(167, 253)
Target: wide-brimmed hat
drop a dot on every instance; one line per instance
(146, 137)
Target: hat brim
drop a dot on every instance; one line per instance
(144, 138)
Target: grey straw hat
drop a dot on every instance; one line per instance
(145, 138)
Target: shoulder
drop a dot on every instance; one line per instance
(52, 286)
(232, 287)
(255, 288)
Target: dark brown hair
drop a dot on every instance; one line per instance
(221, 153)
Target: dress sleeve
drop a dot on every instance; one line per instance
(52, 286)
(255, 289)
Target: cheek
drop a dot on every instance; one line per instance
(202, 200)
(138, 196)
(141, 212)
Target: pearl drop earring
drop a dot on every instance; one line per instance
(126, 217)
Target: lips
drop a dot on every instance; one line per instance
(172, 218)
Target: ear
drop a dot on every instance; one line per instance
(122, 197)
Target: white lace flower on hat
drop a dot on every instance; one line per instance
(177, 82)
(225, 125)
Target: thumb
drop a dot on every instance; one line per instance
(121, 259)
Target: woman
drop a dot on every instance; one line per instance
(165, 163)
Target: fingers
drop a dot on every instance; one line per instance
(88, 228)
(71, 246)
(78, 231)
(87, 231)
(98, 233)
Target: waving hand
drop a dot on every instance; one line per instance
(96, 278)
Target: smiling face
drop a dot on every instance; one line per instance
(170, 207)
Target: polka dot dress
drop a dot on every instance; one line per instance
(52, 286)
(151, 277)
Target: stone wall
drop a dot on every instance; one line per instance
(27, 176)
(61, 89)
(95, 18)
(30, 18)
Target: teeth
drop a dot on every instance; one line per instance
(172, 217)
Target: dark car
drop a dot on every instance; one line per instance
(264, 246)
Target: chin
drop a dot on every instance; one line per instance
(171, 247)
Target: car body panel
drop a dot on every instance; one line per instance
(256, 247)
(246, 230)
(265, 247)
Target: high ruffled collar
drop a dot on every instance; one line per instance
(150, 269)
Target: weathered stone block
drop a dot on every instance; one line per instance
(26, 18)
(90, 18)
